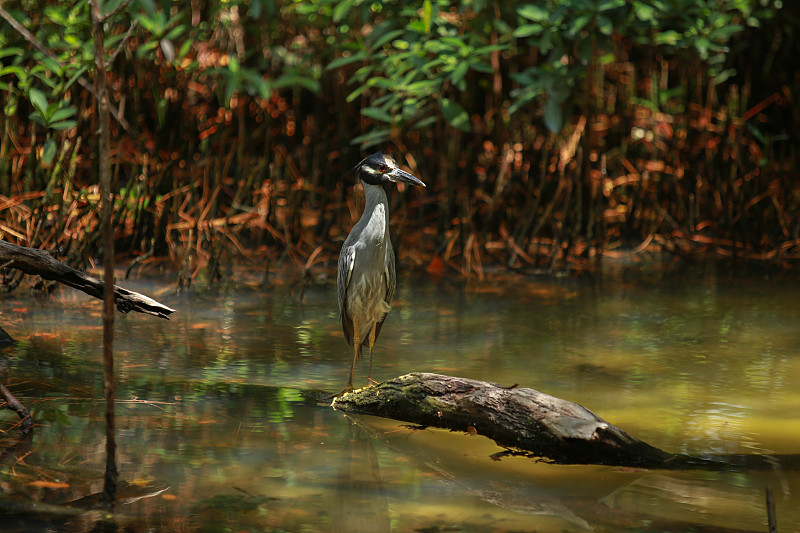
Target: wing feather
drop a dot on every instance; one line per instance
(347, 260)
(390, 277)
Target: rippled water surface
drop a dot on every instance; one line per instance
(214, 435)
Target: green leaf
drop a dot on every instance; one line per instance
(342, 9)
(49, 151)
(580, 22)
(78, 73)
(52, 65)
(13, 69)
(38, 100)
(458, 74)
(669, 37)
(175, 32)
(385, 38)
(533, 12)
(605, 25)
(424, 123)
(11, 51)
(147, 23)
(355, 94)
(187, 44)
(63, 113)
(346, 60)
(526, 30)
(643, 11)
(63, 125)
(455, 114)
(376, 113)
(553, 115)
(489, 49)
(427, 12)
(145, 49)
(422, 88)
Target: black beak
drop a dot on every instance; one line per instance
(401, 175)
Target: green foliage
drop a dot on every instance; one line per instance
(488, 88)
(570, 34)
(415, 63)
(414, 56)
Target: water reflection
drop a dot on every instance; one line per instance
(360, 504)
(209, 405)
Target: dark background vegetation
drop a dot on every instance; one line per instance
(550, 134)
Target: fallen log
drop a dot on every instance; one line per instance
(39, 262)
(527, 422)
(518, 419)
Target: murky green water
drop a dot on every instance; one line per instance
(209, 410)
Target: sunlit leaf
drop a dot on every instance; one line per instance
(526, 30)
(605, 25)
(533, 12)
(385, 38)
(38, 100)
(342, 9)
(147, 47)
(355, 94)
(427, 11)
(19, 72)
(175, 32)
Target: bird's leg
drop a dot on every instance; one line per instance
(356, 348)
(371, 345)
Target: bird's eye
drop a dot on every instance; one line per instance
(383, 168)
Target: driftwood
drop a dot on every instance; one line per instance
(515, 418)
(41, 263)
(527, 422)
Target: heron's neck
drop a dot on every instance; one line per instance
(375, 220)
(374, 195)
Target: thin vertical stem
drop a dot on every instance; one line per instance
(104, 171)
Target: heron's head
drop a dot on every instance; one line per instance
(379, 168)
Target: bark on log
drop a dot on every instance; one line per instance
(515, 418)
(41, 263)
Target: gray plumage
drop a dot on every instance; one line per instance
(366, 276)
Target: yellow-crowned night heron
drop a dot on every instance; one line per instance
(366, 277)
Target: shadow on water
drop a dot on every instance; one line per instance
(210, 410)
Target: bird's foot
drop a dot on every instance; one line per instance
(348, 388)
(372, 382)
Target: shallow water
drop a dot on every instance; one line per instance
(210, 412)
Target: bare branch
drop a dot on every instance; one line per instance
(39, 262)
